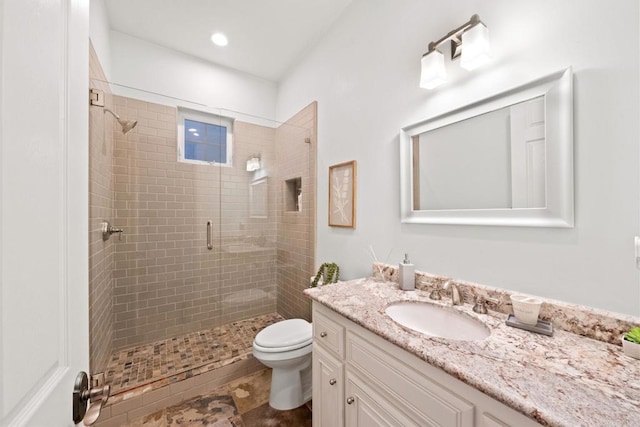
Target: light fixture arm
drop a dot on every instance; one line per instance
(455, 37)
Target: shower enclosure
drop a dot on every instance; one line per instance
(218, 217)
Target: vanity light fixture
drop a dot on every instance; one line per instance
(477, 49)
(253, 164)
(433, 72)
(474, 35)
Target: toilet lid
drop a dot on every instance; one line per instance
(286, 333)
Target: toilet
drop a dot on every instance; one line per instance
(286, 348)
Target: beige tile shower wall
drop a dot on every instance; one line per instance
(166, 280)
(100, 208)
(296, 230)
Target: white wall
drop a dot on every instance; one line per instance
(151, 69)
(99, 34)
(143, 70)
(365, 74)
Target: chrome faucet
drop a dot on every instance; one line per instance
(455, 292)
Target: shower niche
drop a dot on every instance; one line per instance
(293, 195)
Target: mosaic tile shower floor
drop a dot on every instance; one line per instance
(184, 356)
(240, 403)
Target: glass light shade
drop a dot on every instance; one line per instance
(253, 164)
(476, 49)
(433, 72)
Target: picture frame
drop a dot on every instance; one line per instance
(342, 194)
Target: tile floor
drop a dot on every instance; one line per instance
(240, 403)
(184, 356)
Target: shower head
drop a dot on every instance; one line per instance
(126, 125)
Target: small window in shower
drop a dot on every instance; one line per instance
(204, 138)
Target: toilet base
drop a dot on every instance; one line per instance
(290, 389)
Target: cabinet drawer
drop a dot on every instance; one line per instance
(430, 403)
(328, 333)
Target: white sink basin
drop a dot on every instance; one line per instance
(437, 321)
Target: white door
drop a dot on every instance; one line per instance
(43, 208)
(528, 153)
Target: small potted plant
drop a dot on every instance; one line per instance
(329, 272)
(631, 343)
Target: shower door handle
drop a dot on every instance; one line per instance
(209, 244)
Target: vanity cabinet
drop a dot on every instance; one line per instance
(360, 379)
(328, 389)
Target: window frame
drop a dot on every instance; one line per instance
(208, 118)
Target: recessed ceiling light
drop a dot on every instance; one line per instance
(192, 129)
(219, 39)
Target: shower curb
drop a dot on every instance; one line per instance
(148, 399)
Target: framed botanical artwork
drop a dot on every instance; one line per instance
(342, 195)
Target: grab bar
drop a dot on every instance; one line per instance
(209, 245)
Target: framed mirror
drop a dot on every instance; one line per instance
(506, 160)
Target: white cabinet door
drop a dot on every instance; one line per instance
(366, 408)
(422, 399)
(328, 389)
(43, 212)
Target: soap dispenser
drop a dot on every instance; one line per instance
(407, 275)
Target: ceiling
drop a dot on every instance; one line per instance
(266, 37)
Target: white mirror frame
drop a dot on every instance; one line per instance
(557, 89)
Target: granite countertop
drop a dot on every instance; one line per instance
(562, 380)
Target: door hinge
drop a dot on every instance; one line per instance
(96, 97)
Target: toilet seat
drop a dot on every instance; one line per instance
(281, 349)
(286, 335)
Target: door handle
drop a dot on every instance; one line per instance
(83, 397)
(209, 244)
